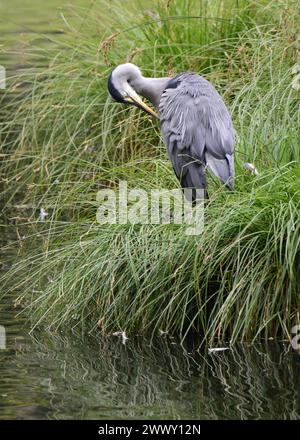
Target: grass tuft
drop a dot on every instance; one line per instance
(63, 139)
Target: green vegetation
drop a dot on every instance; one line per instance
(62, 139)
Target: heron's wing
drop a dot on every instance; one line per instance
(197, 131)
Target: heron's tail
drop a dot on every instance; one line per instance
(222, 168)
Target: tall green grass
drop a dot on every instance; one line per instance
(64, 139)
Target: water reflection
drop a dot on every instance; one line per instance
(67, 377)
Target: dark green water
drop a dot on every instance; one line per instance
(66, 377)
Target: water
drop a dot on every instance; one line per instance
(68, 377)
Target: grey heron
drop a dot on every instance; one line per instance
(195, 122)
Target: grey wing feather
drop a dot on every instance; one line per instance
(197, 131)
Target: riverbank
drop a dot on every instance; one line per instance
(64, 140)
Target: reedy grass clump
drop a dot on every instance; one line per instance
(240, 273)
(66, 139)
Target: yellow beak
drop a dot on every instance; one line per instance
(134, 98)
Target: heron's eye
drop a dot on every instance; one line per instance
(129, 81)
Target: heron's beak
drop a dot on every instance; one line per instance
(133, 98)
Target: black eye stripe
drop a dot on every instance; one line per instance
(115, 94)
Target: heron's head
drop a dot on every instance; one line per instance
(121, 86)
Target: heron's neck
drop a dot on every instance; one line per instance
(151, 88)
